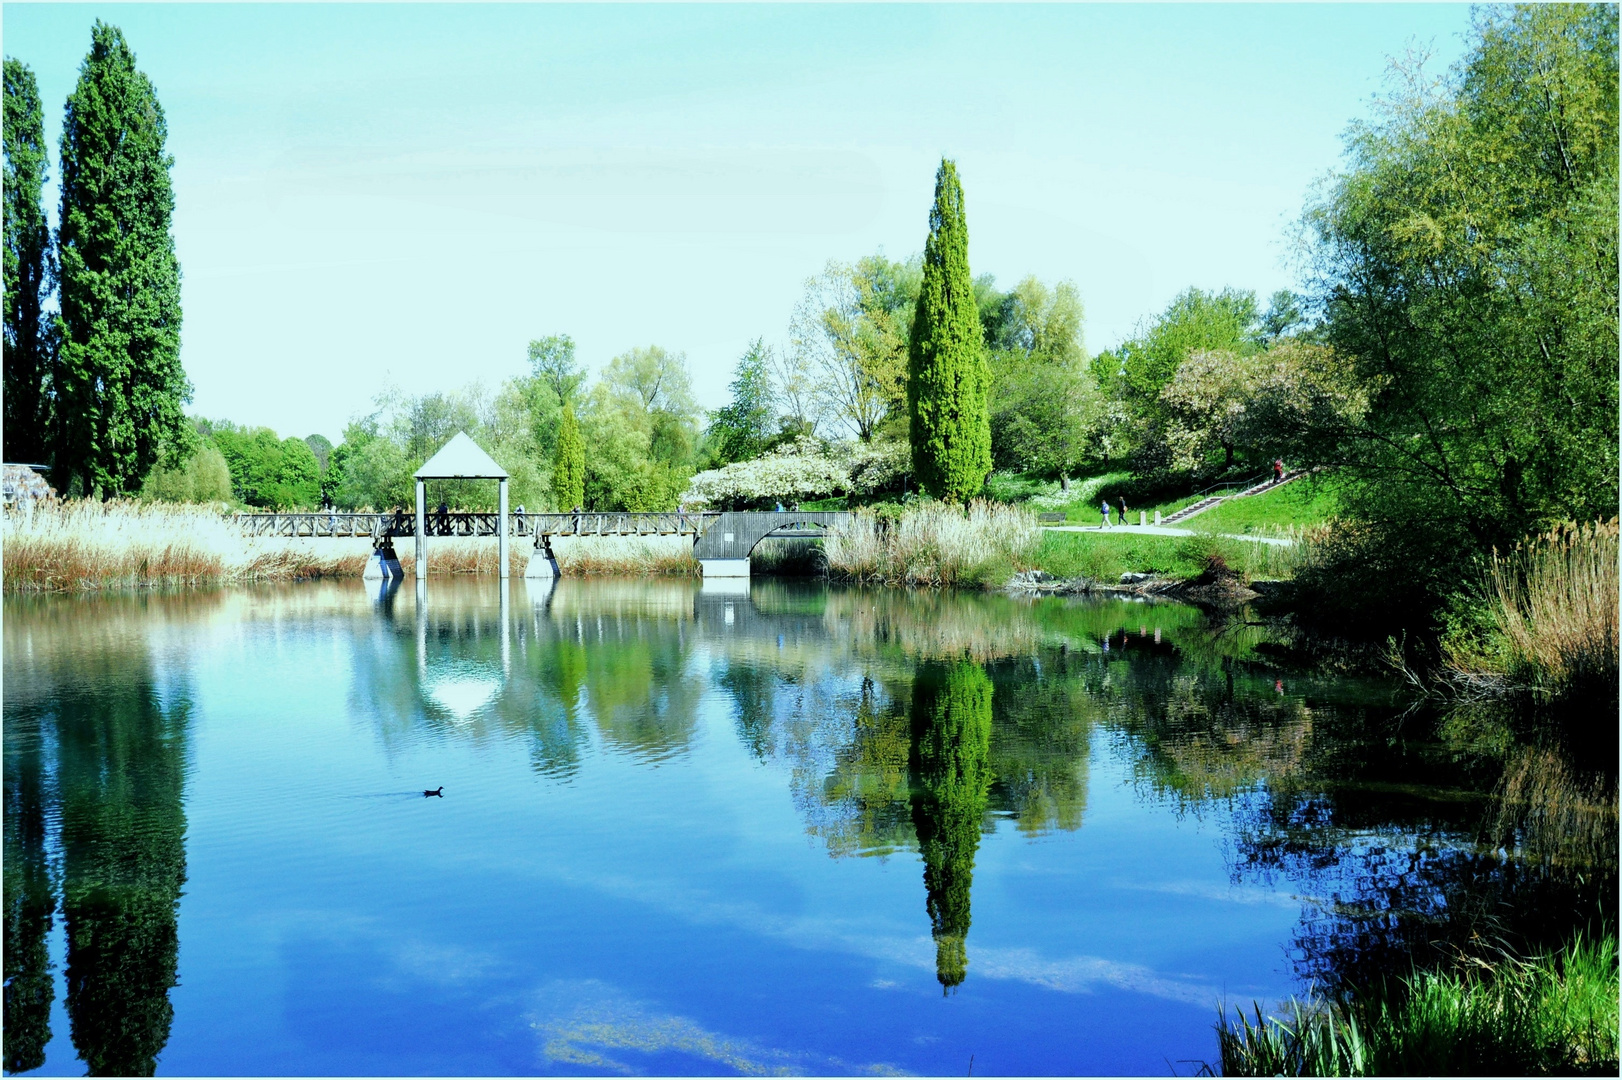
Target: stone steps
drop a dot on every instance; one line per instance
(1205, 504)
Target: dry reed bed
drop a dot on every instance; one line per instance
(1551, 613)
(85, 545)
(934, 544)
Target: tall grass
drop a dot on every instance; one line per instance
(86, 544)
(934, 544)
(1554, 1014)
(83, 545)
(1550, 609)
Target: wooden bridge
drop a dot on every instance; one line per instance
(722, 542)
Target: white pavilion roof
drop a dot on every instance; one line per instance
(461, 459)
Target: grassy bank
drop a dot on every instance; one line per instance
(1105, 556)
(1553, 1014)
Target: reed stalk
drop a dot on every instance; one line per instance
(934, 545)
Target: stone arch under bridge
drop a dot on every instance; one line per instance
(724, 548)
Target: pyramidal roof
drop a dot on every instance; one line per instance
(462, 459)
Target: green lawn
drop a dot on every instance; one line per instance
(1105, 556)
(1302, 502)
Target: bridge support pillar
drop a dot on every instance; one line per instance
(542, 563)
(501, 526)
(422, 538)
(383, 564)
(725, 568)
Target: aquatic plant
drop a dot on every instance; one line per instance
(1547, 618)
(1554, 1013)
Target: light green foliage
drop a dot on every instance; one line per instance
(1195, 321)
(29, 264)
(850, 334)
(743, 429)
(118, 381)
(551, 360)
(1467, 265)
(569, 463)
(202, 478)
(947, 374)
(376, 472)
(1044, 403)
(641, 424)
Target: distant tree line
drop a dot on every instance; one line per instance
(93, 383)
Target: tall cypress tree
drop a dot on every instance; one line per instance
(947, 374)
(569, 466)
(28, 270)
(120, 389)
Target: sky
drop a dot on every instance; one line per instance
(377, 196)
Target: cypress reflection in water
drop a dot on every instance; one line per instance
(122, 767)
(951, 740)
(30, 893)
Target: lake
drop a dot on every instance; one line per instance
(787, 829)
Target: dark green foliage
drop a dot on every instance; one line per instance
(947, 375)
(122, 772)
(29, 265)
(321, 447)
(742, 430)
(268, 471)
(569, 466)
(1467, 265)
(118, 381)
(951, 740)
(30, 896)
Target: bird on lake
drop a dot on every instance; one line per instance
(438, 792)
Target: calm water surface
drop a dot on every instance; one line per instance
(795, 829)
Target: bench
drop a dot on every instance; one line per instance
(1045, 518)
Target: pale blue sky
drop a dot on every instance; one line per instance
(407, 194)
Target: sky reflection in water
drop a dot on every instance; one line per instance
(797, 830)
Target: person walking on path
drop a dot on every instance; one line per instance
(1123, 511)
(1105, 508)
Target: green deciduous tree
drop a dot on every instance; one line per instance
(569, 464)
(551, 359)
(1466, 263)
(1044, 403)
(947, 375)
(743, 429)
(118, 381)
(29, 267)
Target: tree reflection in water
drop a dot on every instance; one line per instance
(951, 738)
(115, 785)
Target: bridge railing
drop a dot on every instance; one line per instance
(372, 524)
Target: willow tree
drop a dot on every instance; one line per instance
(569, 465)
(120, 389)
(947, 375)
(27, 270)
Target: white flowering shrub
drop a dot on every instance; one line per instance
(788, 476)
(877, 466)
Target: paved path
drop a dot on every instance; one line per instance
(1163, 530)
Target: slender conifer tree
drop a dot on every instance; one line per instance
(569, 466)
(28, 270)
(947, 374)
(120, 389)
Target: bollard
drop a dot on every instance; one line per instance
(1143, 517)
(1157, 518)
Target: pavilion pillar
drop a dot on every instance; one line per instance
(422, 536)
(501, 530)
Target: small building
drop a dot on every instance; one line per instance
(25, 482)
